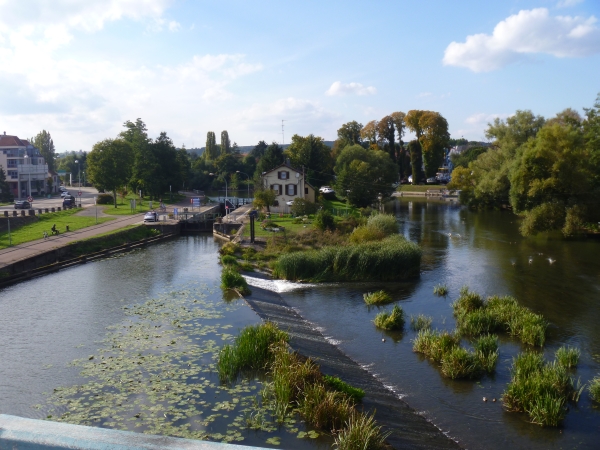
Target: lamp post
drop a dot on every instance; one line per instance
(247, 183)
(224, 179)
(78, 171)
(26, 157)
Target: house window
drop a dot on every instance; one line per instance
(283, 175)
(276, 188)
(290, 189)
(12, 163)
(13, 174)
(305, 191)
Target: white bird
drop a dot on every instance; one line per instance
(551, 261)
(530, 260)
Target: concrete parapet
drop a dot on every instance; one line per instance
(18, 433)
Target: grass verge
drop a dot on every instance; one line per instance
(131, 233)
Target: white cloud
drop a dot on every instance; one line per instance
(483, 118)
(568, 3)
(526, 33)
(339, 88)
(174, 26)
(424, 94)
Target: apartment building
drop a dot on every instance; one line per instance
(25, 168)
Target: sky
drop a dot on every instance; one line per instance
(80, 68)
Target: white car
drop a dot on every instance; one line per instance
(151, 216)
(410, 179)
(326, 190)
(63, 194)
(289, 202)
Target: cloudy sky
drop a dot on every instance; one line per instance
(80, 68)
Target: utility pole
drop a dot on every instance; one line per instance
(282, 135)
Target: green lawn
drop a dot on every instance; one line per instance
(142, 205)
(420, 188)
(35, 231)
(123, 209)
(285, 222)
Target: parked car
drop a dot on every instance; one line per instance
(410, 179)
(68, 202)
(22, 204)
(326, 190)
(432, 180)
(62, 188)
(151, 216)
(289, 202)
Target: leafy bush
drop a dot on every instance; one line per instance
(385, 223)
(390, 321)
(229, 260)
(230, 248)
(366, 234)
(377, 298)
(324, 220)
(391, 259)
(303, 207)
(105, 199)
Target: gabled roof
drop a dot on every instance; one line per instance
(12, 141)
(286, 165)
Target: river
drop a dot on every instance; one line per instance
(484, 251)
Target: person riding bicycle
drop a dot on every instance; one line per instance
(53, 229)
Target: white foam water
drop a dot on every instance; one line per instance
(276, 285)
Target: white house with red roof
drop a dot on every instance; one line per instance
(25, 168)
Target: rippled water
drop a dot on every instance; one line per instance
(484, 251)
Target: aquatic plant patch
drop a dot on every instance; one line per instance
(377, 298)
(440, 290)
(420, 322)
(231, 279)
(594, 388)
(155, 373)
(341, 386)
(541, 389)
(393, 320)
(391, 259)
(474, 317)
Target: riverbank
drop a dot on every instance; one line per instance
(409, 430)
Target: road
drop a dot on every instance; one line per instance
(87, 198)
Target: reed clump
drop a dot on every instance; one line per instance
(361, 432)
(474, 317)
(393, 258)
(594, 388)
(250, 351)
(229, 260)
(567, 356)
(539, 388)
(455, 361)
(377, 298)
(421, 322)
(231, 279)
(393, 320)
(440, 290)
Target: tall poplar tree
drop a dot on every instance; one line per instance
(44, 143)
(225, 143)
(210, 152)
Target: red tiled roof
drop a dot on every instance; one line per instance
(11, 141)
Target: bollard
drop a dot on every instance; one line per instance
(14, 214)
(58, 209)
(31, 212)
(40, 212)
(5, 213)
(46, 210)
(22, 213)
(52, 209)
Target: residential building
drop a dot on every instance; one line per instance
(288, 183)
(25, 168)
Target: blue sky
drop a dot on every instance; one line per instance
(81, 68)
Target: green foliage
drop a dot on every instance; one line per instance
(539, 389)
(361, 433)
(303, 207)
(475, 317)
(355, 394)
(311, 153)
(471, 154)
(594, 389)
(416, 161)
(440, 289)
(567, 356)
(230, 248)
(390, 321)
(431, 129)
(460, 363)
(229, 260)
(231, 279)
(377, 298)
(5, 194)
(435, 344)
(386, 223)
(324, 220)
(421, 322)
(105, 199)
(324, 409)
(364, 175)
(211, 150)
(250, 351)
(486, 350)
(366, 234)
(272, 158)
(264, 198)
(393, 258)
(109, 164)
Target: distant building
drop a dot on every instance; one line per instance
(288, 183)
(25, 168)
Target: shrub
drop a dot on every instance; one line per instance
(361, 433)
(355, 394)
(391, 259)
(324, 220)
(229, 260)
(421, 322)
(251, 350)
(366, 234)
(567, 356)
(302, 207)
(385, 223)
(539, 389)
(440, 289)
(230, 248)
(105, 199)
(390, 321)
(231, 279)
(594, 388)
(377, 298)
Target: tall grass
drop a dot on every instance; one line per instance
(540, 389)
(324, 409)
(458, 362)
(231, 279)
(361, 433)
(594, 388)
(420, 322)
(440, 290)
(229, 260)
(393, 258)
(356, 394)
(250, 351)
(486, 350)
(474, 317)
(567, 356)
(390, 320)
(377, 298)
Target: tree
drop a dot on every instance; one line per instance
(5, 194)
(272, 158)
(369, 133)
(211, 152)
(184, 167)
(264, 198)
(259, 149)
(416, 160)
(225, 143)
(414, 123)
(109, 164)
(144, 164)
(349, 133)
(516, 130)
(44, 143)
(364, 175)
(471, 154)
(386, 131)
(431, 129)
(311, 153)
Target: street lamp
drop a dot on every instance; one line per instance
(29, 173)
(224, 179)
(247, 183)
(78, 171)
